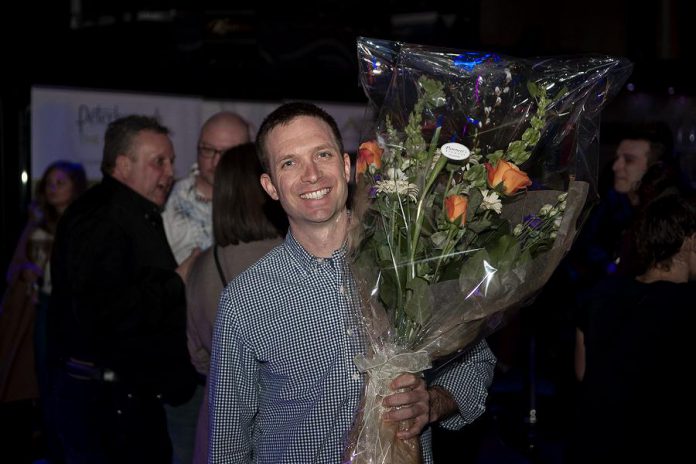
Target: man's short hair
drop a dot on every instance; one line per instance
(119, 137)
(662, 227)
(283, 115)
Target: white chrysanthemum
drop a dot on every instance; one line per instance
(401, 187)
(557, 222)
(545, 210)
(517, 230)
(563, 196)
(491, 201)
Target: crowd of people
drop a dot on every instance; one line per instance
(211, 319)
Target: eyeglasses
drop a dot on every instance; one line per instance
(209, 152)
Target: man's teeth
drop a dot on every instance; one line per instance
(316, 195)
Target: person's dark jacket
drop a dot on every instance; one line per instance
(117, 301)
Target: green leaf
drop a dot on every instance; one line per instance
(477, 176)
(475, 200)
(418, 306)
(533, 89)
(433, 92)
(388, 289)
(439, 239)
(479, 225)
(496, 156)
(473, 270)
(531, 136)
(505, 252)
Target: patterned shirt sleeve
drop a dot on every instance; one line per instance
(467, 379)
(233, 390)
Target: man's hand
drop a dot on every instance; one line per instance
(411, 402)
(185, 266)
(415, 403)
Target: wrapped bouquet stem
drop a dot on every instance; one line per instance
(467, 198)
(382, 368)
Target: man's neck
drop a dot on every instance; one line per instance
(321, 240)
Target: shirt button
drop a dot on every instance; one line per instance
(349, 331)
(355, 376)
(341, 290)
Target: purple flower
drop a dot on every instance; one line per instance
(532, 221)
(373, 192)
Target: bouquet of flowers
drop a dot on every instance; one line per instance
(467, 198)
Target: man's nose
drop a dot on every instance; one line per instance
(311, 172)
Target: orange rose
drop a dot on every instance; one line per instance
(455, 208)
(368, 153)
(512, 178)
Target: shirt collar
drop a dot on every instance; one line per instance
(306, 259)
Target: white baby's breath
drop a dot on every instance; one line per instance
(545, 210)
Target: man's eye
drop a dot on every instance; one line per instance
(287, 163)
(324, 154)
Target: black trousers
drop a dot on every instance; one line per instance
(108, 422)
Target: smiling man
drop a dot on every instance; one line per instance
(283, 385)
(117, 316)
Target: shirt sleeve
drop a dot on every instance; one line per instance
(467, 379)
(177, 230)
(233, 389)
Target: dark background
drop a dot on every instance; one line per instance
(252, 50)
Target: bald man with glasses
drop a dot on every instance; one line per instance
(188, 213)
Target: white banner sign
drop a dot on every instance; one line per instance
(69, 124)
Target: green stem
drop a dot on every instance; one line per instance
(423, 195)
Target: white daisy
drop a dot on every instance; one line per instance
(401, 187)
(491, 201)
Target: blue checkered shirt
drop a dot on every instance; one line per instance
(283, 385)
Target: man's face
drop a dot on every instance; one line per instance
(150, 168)
(630, 164)
(215, 139)
(308, 173)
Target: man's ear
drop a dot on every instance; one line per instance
(346, 166)
(268, 186)
(123, 166)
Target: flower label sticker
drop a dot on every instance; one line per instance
(455, 151)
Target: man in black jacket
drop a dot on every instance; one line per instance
(117, 312)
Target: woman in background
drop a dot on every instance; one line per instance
(23, 312)
(246, 226)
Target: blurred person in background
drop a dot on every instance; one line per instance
(23, 368)
(632, 346)
(188, 213)
(117, 313)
